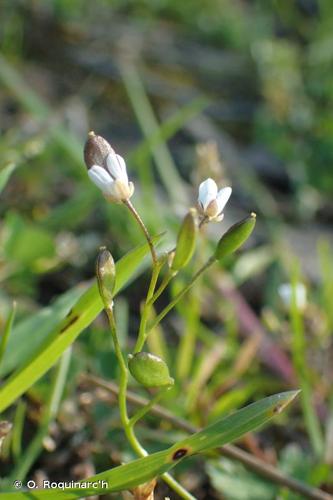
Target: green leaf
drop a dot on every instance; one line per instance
(7, 331)
(37, 328)
(139, 471)
(18, 247)
(63, 334)
(5, 173)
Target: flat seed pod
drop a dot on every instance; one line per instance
(235, 237)
(185, 242)
(149, 370)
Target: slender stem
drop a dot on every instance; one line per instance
(203, 221)
(166, 280)
(145, 409)
(177, 487)
(253, 463)
(146, 308)
(122, 400)
(168, 308)
(123, 379)
(144, 230)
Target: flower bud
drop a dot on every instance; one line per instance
(149, 370)
(185, 242)
(235, 236)
(211, 202)
(106, 276)
(107, 169)
(96, 150)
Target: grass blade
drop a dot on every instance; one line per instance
(63, 335)
(139, 471)
(5, 173)
(150, 127)
(6, 334)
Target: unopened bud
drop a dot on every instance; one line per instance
(96, 150)
(185, 241)
(149, 370)
(235, 236)
(106, 276)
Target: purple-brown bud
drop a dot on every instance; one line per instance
(96, 150)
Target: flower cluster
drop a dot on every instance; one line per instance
(108, 171)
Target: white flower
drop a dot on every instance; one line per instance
(286, 293)
(112, 180)
(212, 202)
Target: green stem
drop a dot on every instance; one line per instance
(166, 280)
(146, 308)
(182, 492)
(123, 379)
(145, 409)
(168, 308)
(122, 397)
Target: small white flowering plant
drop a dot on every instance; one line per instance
(108, 171)
(150, 373)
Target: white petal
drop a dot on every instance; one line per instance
(117, 167)
(100, 177)
(207, 192)
(223, 197)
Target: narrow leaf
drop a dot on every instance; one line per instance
(7, 331)
(5, 173)
(63, 335)
(142, 470)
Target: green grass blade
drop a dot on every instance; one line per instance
(63, 335)
(142, 470)
(169, 128)
(37, 328)
(150, 127)
(5, 173)
(40, 111)
(299, 359)
(7, 331)
(35, 446)
(232, 427)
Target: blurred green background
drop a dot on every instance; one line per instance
(238, 90)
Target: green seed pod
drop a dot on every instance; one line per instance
(149, 370)
(185, 241)
(106, 276)
(96, 149)
(235, 236)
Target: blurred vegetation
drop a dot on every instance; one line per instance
(238, 90)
